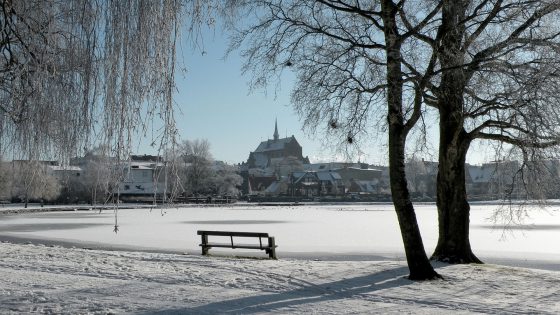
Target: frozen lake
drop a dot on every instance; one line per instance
(313, 231)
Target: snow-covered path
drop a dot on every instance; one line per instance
(41, 279)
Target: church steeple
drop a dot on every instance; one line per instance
(276, 136)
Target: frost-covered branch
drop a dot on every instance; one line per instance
(74, 74)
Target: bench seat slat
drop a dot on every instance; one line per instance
(233, 233)
(269, 247)
(226, 245)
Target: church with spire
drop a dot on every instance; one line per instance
(275, 149)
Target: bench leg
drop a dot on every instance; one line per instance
(204, 242)
(272, 246)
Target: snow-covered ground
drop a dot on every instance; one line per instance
(333, 259)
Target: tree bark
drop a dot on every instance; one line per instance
(453, 208)
(417, 260)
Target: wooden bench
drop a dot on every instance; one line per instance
(269, 247)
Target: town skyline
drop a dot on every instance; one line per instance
(214, 102)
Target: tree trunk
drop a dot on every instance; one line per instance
(418, 262)
(453, 208)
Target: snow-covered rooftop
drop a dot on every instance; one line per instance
(481, 174)
(57, 168)
(274, 145)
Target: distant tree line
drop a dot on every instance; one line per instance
(199, 175)
(191, 172)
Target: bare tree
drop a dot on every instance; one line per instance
(421, 177)
(31, 181)
(77, 73)
(5, 180)
(356, 66)
(226, 181)
(489, 69)
(196, 171)
(499, 70)
(99, 175)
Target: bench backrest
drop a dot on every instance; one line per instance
(232, 233)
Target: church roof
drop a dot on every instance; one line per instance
(274, 145)
(261, 160)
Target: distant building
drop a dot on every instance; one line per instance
(273, 158)
(362, 173)
(146, 158)
(422, 178)
(258, 185)
(65, 174)
(316, 183)
(493, 180)
(275, 150)
(363, 180)
(305, 184)
(142, 178)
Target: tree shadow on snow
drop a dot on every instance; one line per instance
(39, 227)
(233, 222)
(520, 227)
(308, 293)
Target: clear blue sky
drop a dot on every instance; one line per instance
(215, 104)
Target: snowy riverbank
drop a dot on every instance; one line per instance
(41, 279)
(334, 259)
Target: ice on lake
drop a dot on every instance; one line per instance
(311, 231)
